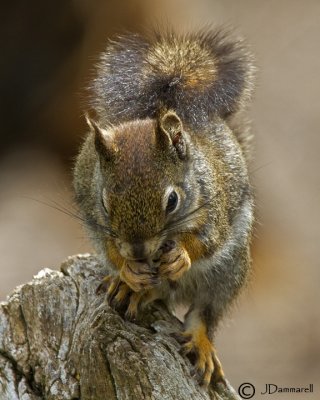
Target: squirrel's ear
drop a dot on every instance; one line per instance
(104, 139)
(170, 132)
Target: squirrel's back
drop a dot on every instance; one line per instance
(199, 75)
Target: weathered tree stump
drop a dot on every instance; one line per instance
(60, 340)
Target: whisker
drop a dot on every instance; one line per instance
(72, 214)
(261, 167)
(55, 207)
(184, 219)
(62, 208)
(176, 227)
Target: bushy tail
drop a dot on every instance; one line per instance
(199, 75)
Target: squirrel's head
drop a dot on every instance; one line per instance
(144, 183)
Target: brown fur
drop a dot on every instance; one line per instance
(162, 179)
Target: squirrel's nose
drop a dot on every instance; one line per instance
(138, 250)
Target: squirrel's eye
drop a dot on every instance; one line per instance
(172, 202)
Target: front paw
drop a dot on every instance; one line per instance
(174, 261)
(139, 276)
(121, 298)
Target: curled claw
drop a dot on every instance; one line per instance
(218, 374)
(139, 300)
(207, 365)
(201, 352)
(168, 246)
(135, 301)
(181, 337)
(104, 285)
(113, 289)
(175, 261)
(122, 297)
(139, 276)
(118, 294)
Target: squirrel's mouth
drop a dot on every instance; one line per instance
(147, 252)
(139, 251)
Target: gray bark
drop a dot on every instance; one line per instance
(60, 340)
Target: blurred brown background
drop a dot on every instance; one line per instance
(48, 50)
